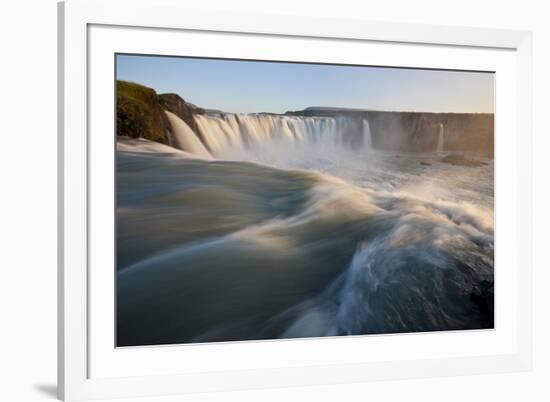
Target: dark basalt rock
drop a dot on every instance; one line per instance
(483, 295)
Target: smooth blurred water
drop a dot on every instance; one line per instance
(308, 240)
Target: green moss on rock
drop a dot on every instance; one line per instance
(139, 113)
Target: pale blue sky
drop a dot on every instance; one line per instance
(253, 86)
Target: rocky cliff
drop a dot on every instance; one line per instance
(140, 112)
(184, 110)
(419, 131)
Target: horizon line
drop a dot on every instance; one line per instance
(326, 108)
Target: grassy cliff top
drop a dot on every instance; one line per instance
(139, 114)
(135, 91)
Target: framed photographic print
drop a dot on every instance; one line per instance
(264, 201)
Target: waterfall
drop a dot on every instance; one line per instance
(248, 132)
(441, 138)
(182, 137)
(367, 137)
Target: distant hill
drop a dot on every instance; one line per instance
(140, 114)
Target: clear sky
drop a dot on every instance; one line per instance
(254, 86)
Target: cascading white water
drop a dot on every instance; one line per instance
(441, 138)
(230, 132)
(182, 137)
(359, 234)
(367, 136)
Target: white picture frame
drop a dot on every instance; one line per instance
(87, 366)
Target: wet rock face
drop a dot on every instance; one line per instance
(185, 111)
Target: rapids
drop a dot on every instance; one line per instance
(284, 227)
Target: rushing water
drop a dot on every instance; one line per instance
(441, 138)
(233, 132)
(288, 228)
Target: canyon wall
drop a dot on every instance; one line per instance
(420, 131)
(141, 114)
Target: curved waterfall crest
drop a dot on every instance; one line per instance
(252, 131)
(184, 138)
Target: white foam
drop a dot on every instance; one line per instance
(141, 145)
(184, 138)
